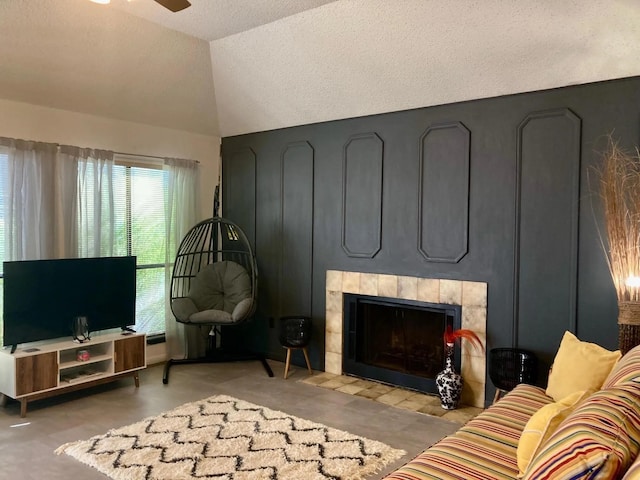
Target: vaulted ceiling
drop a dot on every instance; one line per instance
(226, 67)
(130, 60)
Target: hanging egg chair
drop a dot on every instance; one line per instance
(214, 284)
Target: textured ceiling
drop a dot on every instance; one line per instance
(353, 58)
(227, 67)
(131, 60)
(214, 19)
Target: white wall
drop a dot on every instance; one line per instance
(30, 122)
(358, 57)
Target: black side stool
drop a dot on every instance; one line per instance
(295, 334)
(510, 366)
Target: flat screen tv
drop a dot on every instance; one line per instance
(43, 297)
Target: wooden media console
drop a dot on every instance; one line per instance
(48, 369)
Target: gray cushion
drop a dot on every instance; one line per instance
(219, 293)
(242, 309)
(211, 316)
(183, 308)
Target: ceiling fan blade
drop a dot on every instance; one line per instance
(174, 5)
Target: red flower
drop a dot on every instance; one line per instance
(451, 336)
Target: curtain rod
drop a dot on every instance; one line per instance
(58, 145)
(145, 156)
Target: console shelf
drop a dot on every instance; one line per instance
(52, 368)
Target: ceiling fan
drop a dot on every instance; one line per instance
(173, 5)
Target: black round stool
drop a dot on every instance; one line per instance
(295, 334)
(510, 366)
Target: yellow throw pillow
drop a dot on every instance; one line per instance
(579, 366)
(542, 424)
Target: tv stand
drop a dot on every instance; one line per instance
(54, 368)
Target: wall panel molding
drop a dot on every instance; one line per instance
(547, 211)
(443, 212)
(362, 174)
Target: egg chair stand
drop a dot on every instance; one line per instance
(214, 284)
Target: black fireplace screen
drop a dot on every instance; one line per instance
(402, 339)
(396, 341)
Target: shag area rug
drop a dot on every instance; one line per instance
(225, 438)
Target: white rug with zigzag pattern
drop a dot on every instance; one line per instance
(225, 438)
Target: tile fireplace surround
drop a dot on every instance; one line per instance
(471, 296)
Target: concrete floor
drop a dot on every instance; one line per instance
(27, 444)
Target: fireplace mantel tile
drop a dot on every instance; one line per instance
(471, 370)
(467, 348)
(473, 393)
(334, 280)
(333, 342)
(474, 294)
(333, 363)
(369, 284)
(429, 290)
(388, 286)
(451, 292)
(475, 318)
(334, 302)
(408, 288)
(351, 282)
(333, 322)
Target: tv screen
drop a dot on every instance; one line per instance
(43, 297)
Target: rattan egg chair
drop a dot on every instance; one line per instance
(214, 284)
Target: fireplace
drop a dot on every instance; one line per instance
(469, 296)
(396, 341)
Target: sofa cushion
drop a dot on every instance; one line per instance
(579, 366)
(627, 369)
(599, 440)
(484, 448)
(542, 424)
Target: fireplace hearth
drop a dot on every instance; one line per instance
(396, 341)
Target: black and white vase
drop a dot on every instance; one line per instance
(449, 382)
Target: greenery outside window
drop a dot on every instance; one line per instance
(139, 194)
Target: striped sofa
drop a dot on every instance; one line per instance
(604, 430)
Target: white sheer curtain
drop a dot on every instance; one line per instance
(182, 207)
(49, 192)
(93, 211)
(30, 202)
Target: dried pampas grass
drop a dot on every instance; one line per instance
(619, 177)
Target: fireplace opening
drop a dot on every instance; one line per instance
(399, 342)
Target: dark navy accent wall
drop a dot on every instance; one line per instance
(493, 190)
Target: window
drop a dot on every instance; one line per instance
(139, 192)
(140, 230)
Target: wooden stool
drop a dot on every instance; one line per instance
(295, 334)
(288, 362)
